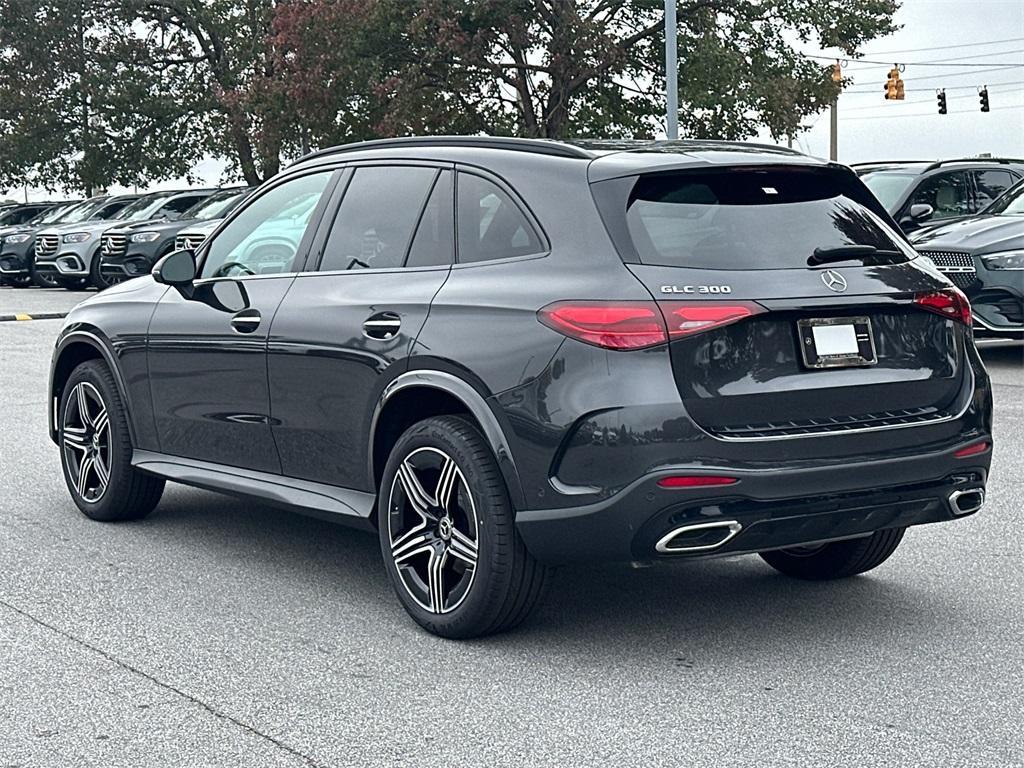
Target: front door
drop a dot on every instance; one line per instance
(347, 326)
(207, 343)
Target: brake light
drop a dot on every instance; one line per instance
(694, 481)
(949, 302)
(971, 450)
(640, 324)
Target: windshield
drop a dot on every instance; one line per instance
(52, 215)
(1010, 203)
(141, 209)
(216, 206)
(888, 186)
(772, 219)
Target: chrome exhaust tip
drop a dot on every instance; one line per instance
(966, 501)
(719, 532)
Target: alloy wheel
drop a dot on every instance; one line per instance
(85, 438)
(434, 535)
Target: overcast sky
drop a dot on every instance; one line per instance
(872, 128)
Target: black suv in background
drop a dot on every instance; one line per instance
(500, 354)
(921, 194)
(17, 248)
(132, 250)
(984, 256)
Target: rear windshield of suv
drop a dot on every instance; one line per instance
(751, 218)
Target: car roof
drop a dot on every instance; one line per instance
(925, 166)
(607, 158)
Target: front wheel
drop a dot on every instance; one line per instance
(43, 279)
(448, 535)
(96, 450)
(838, 559)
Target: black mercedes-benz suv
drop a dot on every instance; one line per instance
(505, 354)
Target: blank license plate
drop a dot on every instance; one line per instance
(835, 342)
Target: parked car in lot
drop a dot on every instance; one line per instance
(984, 256)
(132, 250)
(70, 253)
(501, 354)
(21, 233)
(17, 248)
(921, 194)
(21, 214)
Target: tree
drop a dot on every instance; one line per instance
(558, 69)
(74, 110)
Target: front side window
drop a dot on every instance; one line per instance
(375, 223)
(947, 195)
(264, 238)
(491, 225)
(175, 207)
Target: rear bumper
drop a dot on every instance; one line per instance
(774, 508)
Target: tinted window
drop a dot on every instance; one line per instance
(265, 237)
(109, 210)
(179, 205)
(946, 194)
(749, 220)
(991, 184)
(434, 243)
(491, 225)
(377, 217)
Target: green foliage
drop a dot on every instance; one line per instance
(94, 92)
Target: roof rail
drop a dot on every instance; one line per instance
(998, 160)
(537, 146)
(681, 145)
(866, 163)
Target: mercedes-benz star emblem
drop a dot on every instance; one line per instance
(833, 280)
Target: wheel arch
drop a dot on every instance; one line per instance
(420, 394)
(72, 350)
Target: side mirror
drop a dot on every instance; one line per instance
(921, 211)
(176, 268)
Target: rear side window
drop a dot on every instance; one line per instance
(749, 219)
(375, 223)
(491, 225)
(434, 243)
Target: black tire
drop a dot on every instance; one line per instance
(127, 494)
(17, 281)
(837, 560)
(43, 279)
(96, 277)
(505, 584)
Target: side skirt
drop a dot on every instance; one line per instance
(327, 502)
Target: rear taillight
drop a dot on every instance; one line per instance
(949, 302)
(640, 324)
(695, 481)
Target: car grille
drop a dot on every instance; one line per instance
(46, 246)
(879, 419)
(188, 242)
(958, 266)
(115, 246)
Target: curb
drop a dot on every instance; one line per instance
(36, 316)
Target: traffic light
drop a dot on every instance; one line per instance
(894, 85)
(941, 96)
(837, 74)
(983, 98)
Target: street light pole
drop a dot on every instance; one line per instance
(671, 72)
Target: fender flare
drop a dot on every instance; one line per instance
(94, 341)
(475, 403)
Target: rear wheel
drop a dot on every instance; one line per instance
(448, 536)
(838, 559)
(96, 449)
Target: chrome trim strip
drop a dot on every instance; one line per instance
(999, 329)
(662, 546)
(858, 430)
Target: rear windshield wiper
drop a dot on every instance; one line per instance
(855, 253)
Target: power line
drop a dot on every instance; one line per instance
(943, 63)
(940, 77)
(946, 88)
(930, 100)
(939, 62)
(927, 114)
(946, 47)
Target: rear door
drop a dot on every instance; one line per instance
(767, 340)
(348, 322)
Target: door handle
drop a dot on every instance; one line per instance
(382, 326)
(246, 321)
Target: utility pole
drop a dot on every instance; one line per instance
(671, 72)
(833, 144)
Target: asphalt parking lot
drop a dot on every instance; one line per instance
(219, 632)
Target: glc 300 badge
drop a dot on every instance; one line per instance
(833, 280)
(696, 289)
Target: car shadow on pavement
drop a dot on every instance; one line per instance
(723, 606)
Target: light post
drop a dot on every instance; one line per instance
(671, 73)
